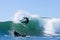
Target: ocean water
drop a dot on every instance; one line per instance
(30, 38)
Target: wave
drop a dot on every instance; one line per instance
(31, 25)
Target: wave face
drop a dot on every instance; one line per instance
(5, 27)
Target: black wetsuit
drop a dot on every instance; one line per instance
(16, 34)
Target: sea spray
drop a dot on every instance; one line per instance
(51, 26)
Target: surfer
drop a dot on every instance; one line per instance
(25, 20)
